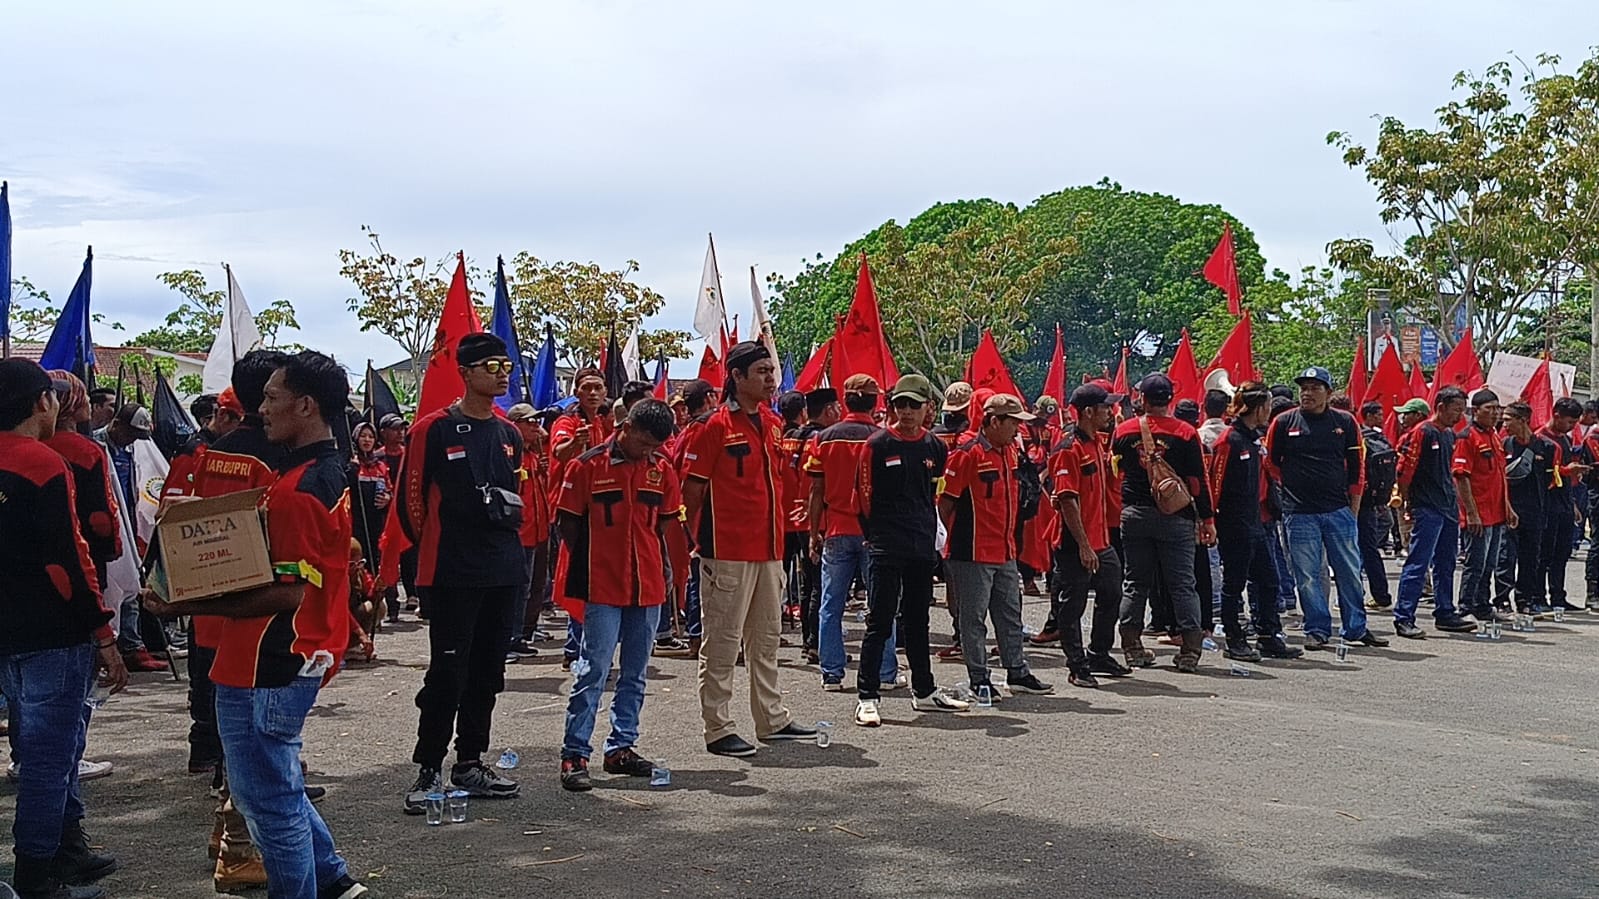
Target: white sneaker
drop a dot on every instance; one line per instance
(88, 770)
(899, 682)
(939, 701)
(866, 713)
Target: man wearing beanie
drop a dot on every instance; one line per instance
(57, 636)
(733, 494)
(459, 505)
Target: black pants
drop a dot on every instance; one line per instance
(1370, 530)
(1520, 566)
(1073, 582)
(468, 632)
(1556, 552)
(1158, 551)
(810, 596)
(901, 588)
(1246, 562)
(205, 747)
(1205, 586)
(532, 598)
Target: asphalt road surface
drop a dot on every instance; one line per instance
(1449, 767)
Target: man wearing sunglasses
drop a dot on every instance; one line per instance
(898, 481)
(459, 504)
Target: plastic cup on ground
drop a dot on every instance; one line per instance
(985, 696)
(660, 775)
(824, 734)
(457, 806)
(435, 809)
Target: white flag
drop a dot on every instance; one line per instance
(630, 357)
(710, 313)
(237, 336)
(763, 322)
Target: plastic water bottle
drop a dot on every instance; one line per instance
(98, 697)
(456, 799)
(1484, 630)
(508, 760)
(824, 734)
(660, 775)
(1237, 670)
(1211, 645)
(1342, 653)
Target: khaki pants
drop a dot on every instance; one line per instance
(740, 603)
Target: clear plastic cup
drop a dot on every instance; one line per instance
(456, 801)
(508, 760)
(1342, 653)
(1560, 614)
(1238, 670)
(660, 775)
(824, 734)
(98, 696)
(985, 696)
(1495, 630)
(435, 809)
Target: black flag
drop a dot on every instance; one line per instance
(379, 398)
(172, 425)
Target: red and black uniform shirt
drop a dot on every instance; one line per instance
(1078, 469)
(739, 458)
(1178, 443)
(1237, 476)
(899, 480)
(96, 503)
(1425, 457)
(835, 459)
(451, 458)
(1318, 461)
(537, 503)
(308, 539)
(1479, 456)
(620, 507)
(796, 487)
(242, 459)
(981, 479)
(565, 428)
(49, 595)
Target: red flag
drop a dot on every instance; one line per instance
(1236, 355)
(732, 336)
(710, 368)
(987, 368)
(810, 377)
(1539, 395)
(1184, 372)
(1418, 383)
(1356, 389)
(1460, 369)
(1222, 270)
(1388, 386)
(1055, 380)
(1119, 384)
(859, 347)
(441, 383)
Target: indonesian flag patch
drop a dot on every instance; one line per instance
(455, 453)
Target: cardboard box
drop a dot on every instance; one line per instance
(213, 546)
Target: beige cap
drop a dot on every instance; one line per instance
(522, 412)
(861, 384)
(1004, 404)
(957, 397)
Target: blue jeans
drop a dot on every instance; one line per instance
(842, 559)
(604, 627)
(1434, 541)
(47, 692)
(691, 601)
(260, 731)
(1316, 540)
(1482, 558)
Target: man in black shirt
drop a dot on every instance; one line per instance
(1560, 516)
(1427, 486)
(898, 483)
(1382, 468)
(1530, 462)
(459, 504)
(1316, 451)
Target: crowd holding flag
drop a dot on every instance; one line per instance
(1389, 387)
(1460, 369)
(860, 346)
(987, 368)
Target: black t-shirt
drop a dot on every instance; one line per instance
(898, 489)
(1529, 470)
(449, 460)
(1318, 458)
(1425, 456)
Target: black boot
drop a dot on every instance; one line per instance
(34, 880)
(75, 862)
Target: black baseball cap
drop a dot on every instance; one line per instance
(1089, 395)
(1156, 389)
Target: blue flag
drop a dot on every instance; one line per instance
(503, 326)
(545, 389)
(5, 260)
(70, 347)
(787, 382)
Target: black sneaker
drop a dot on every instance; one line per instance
(1277, 648)
(575, 775)
(626, 761)
(791, 732)
(1082, 677)
(522, 649)
(732, 745)
(481, 781)
(1371, 639)
(1099, 664)
(1029, 683)
(345, 887)
(1316, 641)
(428, 781)
(1409, 630)
(316, 794)
(1455, 624)
(1240, 651)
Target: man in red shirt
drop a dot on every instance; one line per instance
(1479, 471)
(1084, 558)
(537, 519)
(699, 401)
(589, 424)
(979, 507)
(834, 463)
(280, 643)
(615, 504)
(734, 494)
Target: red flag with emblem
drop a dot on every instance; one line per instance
(1460, 368)
(1539, 395)
(987, 368)
(710, 368)
(442, 384)
(1388, 387)
(860, 346)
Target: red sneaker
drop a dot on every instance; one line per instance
(141, 660)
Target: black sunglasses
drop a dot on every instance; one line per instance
(905, 402)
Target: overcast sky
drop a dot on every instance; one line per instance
(181, 135)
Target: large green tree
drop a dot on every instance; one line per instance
(580, 302)
(402, 299)
(1490, 207)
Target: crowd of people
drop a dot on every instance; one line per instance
(698, 528)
